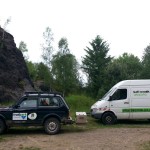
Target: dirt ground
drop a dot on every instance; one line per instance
(98, 139)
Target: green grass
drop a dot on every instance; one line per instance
(79, 103)
(145, 146)
(29, 148)
(2, 139)
(82, 103)
(7, 103)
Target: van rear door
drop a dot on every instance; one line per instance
(120, 103)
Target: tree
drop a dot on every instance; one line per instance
(44, 74)
(32, 68)
(40, 75)
(4, 29)
(63, 46)
(47, 47)
(130, 66)
(6, 23)
(24, 50)
(125, 67)
(95, 63)
(146, 63)
(65, 69)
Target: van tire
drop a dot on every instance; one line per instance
(52, 126)
(108, 118)
(2, 126)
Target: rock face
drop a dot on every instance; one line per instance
(14, 77)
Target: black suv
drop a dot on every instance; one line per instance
(36, 109)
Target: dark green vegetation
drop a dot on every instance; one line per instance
(79, 103)
(60, 70)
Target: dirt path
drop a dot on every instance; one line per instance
(99, 139)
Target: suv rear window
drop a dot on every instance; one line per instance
(49, 101)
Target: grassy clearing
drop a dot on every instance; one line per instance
(82, 103)
(96, 124)
(79, 103)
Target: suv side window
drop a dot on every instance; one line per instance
(120, 94)
(49, 101)
(29, 102)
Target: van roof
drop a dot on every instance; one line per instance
(133, 82)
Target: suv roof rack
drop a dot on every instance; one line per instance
(40, 92)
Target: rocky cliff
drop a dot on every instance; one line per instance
(14, 77)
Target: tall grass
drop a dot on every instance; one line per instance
(79, 103)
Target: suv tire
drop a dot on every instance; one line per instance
(2, 126)
(52, 126)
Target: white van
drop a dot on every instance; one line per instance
(128, 99)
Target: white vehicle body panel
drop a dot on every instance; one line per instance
(133, 104)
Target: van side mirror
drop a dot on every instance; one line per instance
(110, 98)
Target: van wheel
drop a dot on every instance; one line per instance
(2, 126)
(52, 126)
(108, 118)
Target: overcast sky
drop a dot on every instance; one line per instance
(124, 24)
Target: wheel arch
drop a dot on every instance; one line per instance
(109, 112)
(51, 116)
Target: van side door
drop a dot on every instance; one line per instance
(119, 103)
(140, 102)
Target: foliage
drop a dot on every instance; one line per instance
(44, 74)
(4, 30)
(47, 47)
(125, 67)
(6, 23)
(40, 72)
(63, 46)
(23, 49)
(146, 63)
(95, 63)
(32, 68)
(65, 69)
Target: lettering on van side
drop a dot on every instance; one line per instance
(141, 93)
(136, 110)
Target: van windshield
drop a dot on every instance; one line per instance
(105, 97)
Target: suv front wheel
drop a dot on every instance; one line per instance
(52, 126)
